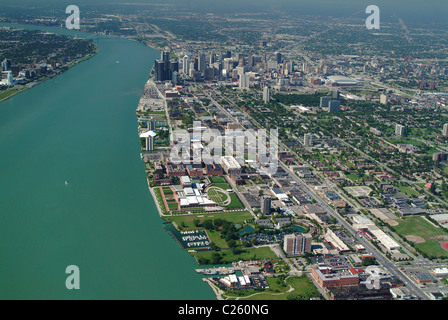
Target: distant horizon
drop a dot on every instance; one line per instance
(412, 10)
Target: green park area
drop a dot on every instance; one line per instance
(280, 288)
(424, 235)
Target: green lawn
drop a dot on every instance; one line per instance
(304, 289)
(217, 179)
(236, 217)
(248, 254)
(418, 226)
(408, 191)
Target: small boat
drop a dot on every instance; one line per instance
(66, 182)
(118, 62)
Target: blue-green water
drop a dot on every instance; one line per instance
(81, 127)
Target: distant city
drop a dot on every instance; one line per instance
(358, 206)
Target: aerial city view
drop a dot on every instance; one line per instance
(251, 150)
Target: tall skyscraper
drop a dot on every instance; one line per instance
(334, 106)
(186, 64)
(244, 81)
(399, 130)
(266, 205)
(384, 99)
(295, 244)
(278, 57)
(202, 64)
(445, 130)
(266, 94)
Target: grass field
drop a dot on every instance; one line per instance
(303, 289)
(235, 217)
(248, 254)
(418, 226)
(408, 191)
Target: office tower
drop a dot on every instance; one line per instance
(295, 244)
(278, 57)
(445, 130)
(399, 130)
(191, 69)
(266, 205)
(229, 54)
(308, 140)
(336, 94)
(251, 61)
(186, 64)
(6, 64)
(175, 77)
(244, 81)
(334, 106)
(384, 99)
(201, 62)
(212, 58)
(173, 67)
(324, 101)
(149, 137)
(266, 94)
(152, 124)
(159, 70)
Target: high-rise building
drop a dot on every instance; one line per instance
(399, 130)
(202, 64)
(295, 244)
(159, 70)
(308, 140)
(336, 94)
(324, 102)
(244, 81)
(266, 205)
(278, 57)
(334, 106)
(6, 64)
(149, 137)
(266, 94)
(185, 64)
(152, 124)
(384, 99)
(164, 67)
(445, 130)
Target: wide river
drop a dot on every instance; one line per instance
(81, 127)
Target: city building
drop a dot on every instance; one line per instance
(334, 106)
(244, 81)
(308, 140)
(266, 94)
(399, 130)
(149, 139)
(295, 244)
(384, 99)
(327, 278)
(266, 205)
(324, 101)
(445, 130)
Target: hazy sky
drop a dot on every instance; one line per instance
(429, 10)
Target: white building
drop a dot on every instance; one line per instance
(7, 79)
(244, 81)
(399, 130)
(266, 94)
